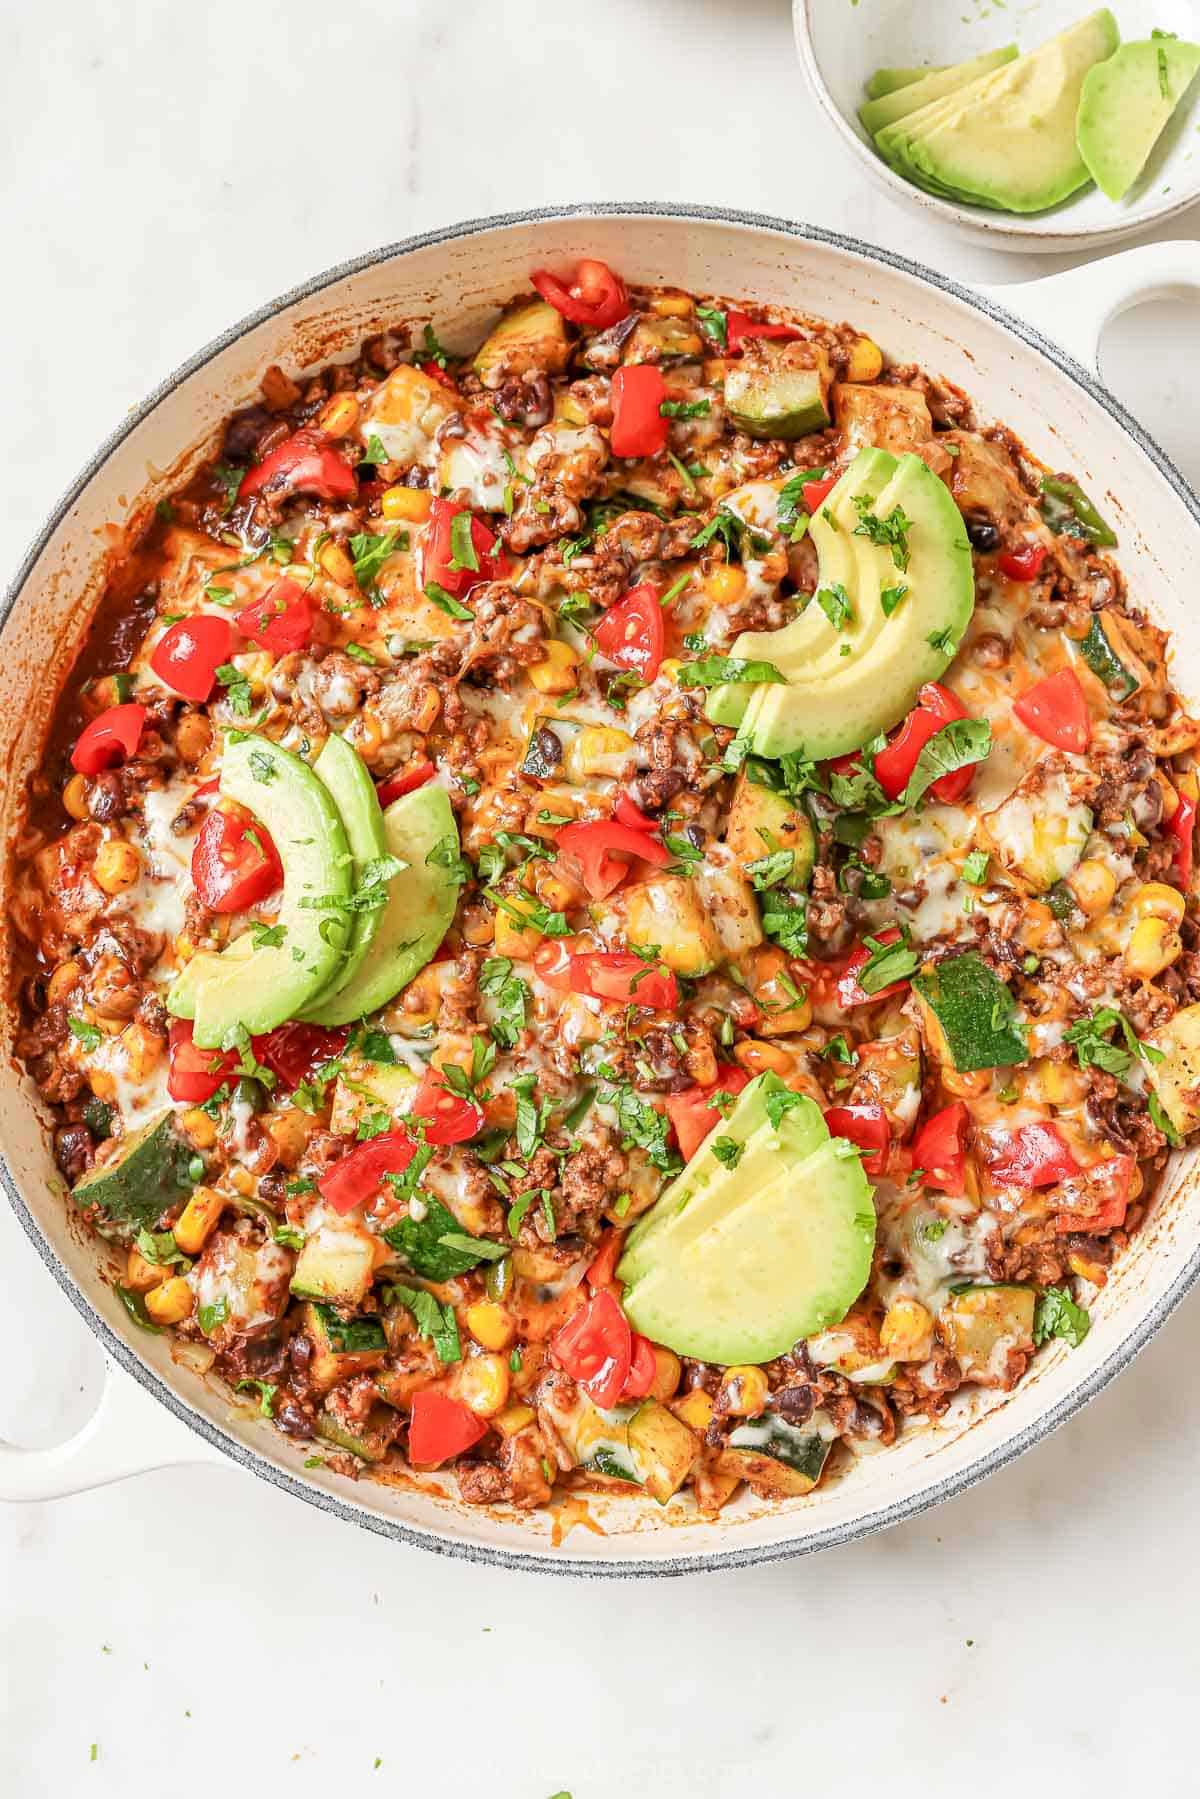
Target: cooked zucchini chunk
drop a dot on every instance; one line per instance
(668, 911)
(762, 821)
(779, 389)
(1176, 1079)
(970, 1016)
(150, 1175)
(1038, 833)
(531, 336)
(337, 1264)
(370, 1440)
(984, 1326)
(780, 1460)
(341, 1347)
(664, 1450)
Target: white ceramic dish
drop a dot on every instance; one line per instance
(458, 278)
(842, 42)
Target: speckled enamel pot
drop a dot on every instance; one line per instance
(458, 277)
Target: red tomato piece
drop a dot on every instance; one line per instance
(739, 326)
(189, 653)
(620, 975)
(632, 633)
(552, 963)
(295, 1051)
(602, 1269)
(1182, 827)
(626, 813)
(1056, 711)
(939, 1149)
(1037, 1156)
(638, 427)
(894, 765)
(849, 993)
(194, 1074)
(234, 862)
(437, 551)
(408, 782)
(282, 621)
(361, 1171)
(815, 493)
(598, 845)
(867, 1128)
(1023, 564)
(109, 739)
(595, 1347)
(693, 1114)
(302, 463)
(643, 1367)
(447, 1117)
(439, 1428)
(1099, 1197)
(594, 297)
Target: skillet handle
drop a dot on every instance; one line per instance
(126, 1434)
(1073, 308)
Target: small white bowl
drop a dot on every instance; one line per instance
(842, 42)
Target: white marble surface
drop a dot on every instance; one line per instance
(164, 170)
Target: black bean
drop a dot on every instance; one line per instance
(983, 535)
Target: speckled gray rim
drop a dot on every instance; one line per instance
(534, 1561)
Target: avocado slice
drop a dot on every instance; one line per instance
(147, 1176)
(1125, 105)
(779, 389)
(890, 81)
(420, 906)
(251, 988)
(531, 336)
(931, 85)
(344, 772)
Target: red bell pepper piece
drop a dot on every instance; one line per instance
(631, 632)
(815, 493)
(111, 738)
(626, 813)
(295, 1051)
(849, 993)
(1038, 1155)
(440, 1428)
(234, 862)
(1182, 827)
(437, 551)
(1023, 564)
(598, 845)
(739, 326)
(1103, 1190)
(620, 975)
(595, 1347)
(602, 1269)
(194, 1074)
(638, 427)
(189, 653)
(1056, 711)
(302, 463)
(447, 1117)
(939, 1149)
(594, 297)
(361, 1171)
(643, 1367)
(282, 621)
(693, 1114)
(408, 782)
(867, 1128)
(894, 765)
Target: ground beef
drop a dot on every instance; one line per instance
(340, 684)
(480, 1483)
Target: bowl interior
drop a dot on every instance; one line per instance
(458, 279)
(849, 41)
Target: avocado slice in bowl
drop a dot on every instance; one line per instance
(883, 110)
(1124, 107)
(344, 773)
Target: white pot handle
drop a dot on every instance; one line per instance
(1074, 308)
(128, 1433)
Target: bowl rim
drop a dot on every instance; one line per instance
(536, 1560)
(1013, 230)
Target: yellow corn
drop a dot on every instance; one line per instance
(490, 1325)
(337, 564)
(667, 1370)
(338, 417)
(1157, 900)
(1037, 924)
(412, 504)
(714, 370)
(419, 1003)
(1170, 799)
(695, 1409)
(366, 734)
(596, 750)
(759, 1057)
(143, 1048)
(117, 865)
(75, 796)
(425, 712)
(866, 360)
(513, 939)
(966, 1086)
(905, 1328)
(514, 1418)
(1093, 886)
(670, 667)
(140, 1274)
(1154, 945)
(1087, 1270)
(556, 674)
(171, 1303)
(197, 1220)
(193, 735)
(62, 981)
(477, 926)
(200, 1129)
(672, 306)
(482, 1383)
(744, 1391)
(1062, 1085)
(725, 584)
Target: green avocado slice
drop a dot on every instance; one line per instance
(931, 85)
(344, 772)
(890, 81)
(419, 911)
(1124, 107)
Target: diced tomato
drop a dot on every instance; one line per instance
(437, 551)
(234, 862)
(1023, 564)
(1038, 1155)
(189, 653)
(595, 1347)
(282, 621)
(407, 782)
(939, 1149)
(620, 975)
(643, 1367)
(739, 326)
(439, 1428)
(295, 1051)
(638, 427)
(194, 1074)
(302, 463)
(1098, 1197)
(849, 993)
(1056, 711)
(594, 297)
(815, 493)
(626, 813)
(447, 1117)
(693, 1114)
(602, 1270)
(598, 844)
(362, 1169)
(867, 1128)
(552, 963)
(1182, 827)
(436, 372)
(109, 739)
(894, 765)
(631, 632)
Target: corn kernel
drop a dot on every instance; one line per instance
(338, 417)
(1156, 900)
(744, 1391)
(64, 979)
(672, 306)
(117, 865)
(1170, 799)
(1093, 885)
(140, 1274)
(425, 712)
(490, 1325)
(725, 584)
(714, 370)
(966, 1086)
(75, 796)
(1086, 1269)
(1062, 1085)
(1154, 945)
(759, 1057)
(866, 360)
(598, 750)
(556, 674)
(482, 1383)
(199, 1128)
(197, 1220)
(513, 939)
(1037, 924)
(667, 1371)
(905, 1330)
(170, 1303)
(695, 1409)
(514, 1418)
(337, 564)
(193, 736)
(412, 504)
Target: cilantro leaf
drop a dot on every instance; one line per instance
(1058, 1315)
